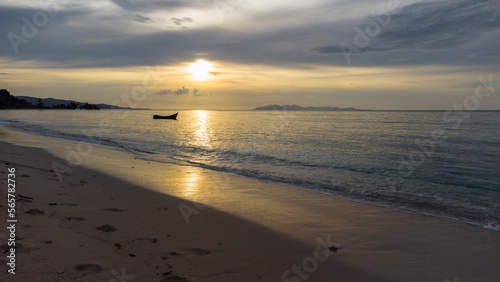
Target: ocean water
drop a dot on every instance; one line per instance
(437, 163)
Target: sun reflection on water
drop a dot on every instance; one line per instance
(201, 133)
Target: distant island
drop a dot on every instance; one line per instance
(300, 108)
(8, 101)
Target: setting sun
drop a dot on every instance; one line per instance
(200, 70)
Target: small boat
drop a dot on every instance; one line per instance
(174, 116)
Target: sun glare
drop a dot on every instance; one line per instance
(200, 70)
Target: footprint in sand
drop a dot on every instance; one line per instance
(35, 212)
(24, 200)
(200, 251)
(107, 228)
(88, 267)
(68, 204)
(19, 248)
(113, 210)
(150, 240)
(74, 218)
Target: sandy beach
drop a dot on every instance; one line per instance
(115, 218)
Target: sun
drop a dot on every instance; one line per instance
(200, 70)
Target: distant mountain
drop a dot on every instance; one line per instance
(50, 102)
(300, 108)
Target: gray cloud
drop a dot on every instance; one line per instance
(440, 25)
(164, 92)
(181, 91)
(142, 19)
(138, 5)
(178, 21)
(428, 26)
(489, 55)
(427, 32)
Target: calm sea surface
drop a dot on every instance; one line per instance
(441, 164)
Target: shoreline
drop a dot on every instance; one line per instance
(382, 244)
(74, 152)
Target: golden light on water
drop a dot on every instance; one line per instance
(201, 133)
(200, 70)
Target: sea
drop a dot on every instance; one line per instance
(443, 164)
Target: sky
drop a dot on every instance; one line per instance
(241, 54)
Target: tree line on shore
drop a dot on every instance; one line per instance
(7, 101)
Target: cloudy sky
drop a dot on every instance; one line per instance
(240, 54)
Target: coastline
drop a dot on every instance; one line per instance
(268, 227)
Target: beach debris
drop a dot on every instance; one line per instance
(60, 272)
(35, 212)
(83, 181)
(164, 257)
(131, 255)
(174, 254)
(200, 251)
(48, 242)
(333, 248)
(118, 245)
(24, 175)
(52, 204)
(88, 267)
(107, 228)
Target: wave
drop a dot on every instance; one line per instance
(301, 173)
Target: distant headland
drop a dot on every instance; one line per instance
(8, 101)
(300, 108)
